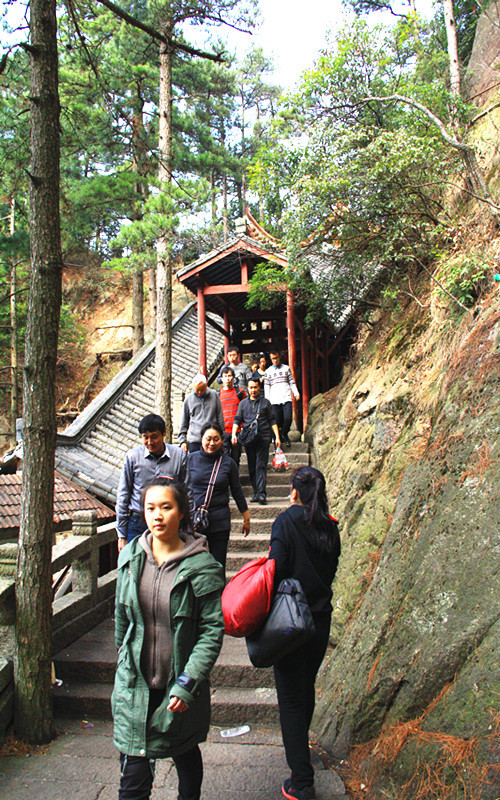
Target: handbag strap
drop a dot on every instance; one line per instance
(211, 483)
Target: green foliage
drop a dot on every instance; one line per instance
(363, 179)
(464, 277)
(72, 337)
(266, 286)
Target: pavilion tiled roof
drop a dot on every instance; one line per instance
(68, 498)
(91, 450)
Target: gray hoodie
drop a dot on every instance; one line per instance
(154, 597)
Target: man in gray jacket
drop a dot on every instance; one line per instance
(149, 460)
(201, 406)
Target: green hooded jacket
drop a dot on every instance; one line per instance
(197, 630)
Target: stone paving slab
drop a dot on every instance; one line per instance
(82, 764)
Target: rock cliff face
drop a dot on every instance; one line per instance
(410, 445)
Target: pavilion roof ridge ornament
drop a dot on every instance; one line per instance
(257, 231)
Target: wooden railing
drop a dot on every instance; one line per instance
(90, 600)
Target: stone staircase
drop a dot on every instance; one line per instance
(240, 693)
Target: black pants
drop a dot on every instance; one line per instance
(257, 455)
(283, 413)
(233, 450)
(217, 544)
(294, 677)
(137, 772)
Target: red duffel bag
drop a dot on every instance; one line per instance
(246, 600)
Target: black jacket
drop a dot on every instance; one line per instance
(296, 556)
(200, 470)
(248, 410)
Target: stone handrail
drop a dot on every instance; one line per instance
(92, 595)
(90, 601)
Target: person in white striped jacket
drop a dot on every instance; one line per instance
(279, 386)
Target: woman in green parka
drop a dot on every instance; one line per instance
(169, 629)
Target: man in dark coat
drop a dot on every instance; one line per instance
(257, 407)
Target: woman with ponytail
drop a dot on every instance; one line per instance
(305, 545)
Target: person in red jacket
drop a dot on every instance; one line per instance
(230, 398)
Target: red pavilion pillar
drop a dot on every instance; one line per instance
(202, 331)
(292, 347)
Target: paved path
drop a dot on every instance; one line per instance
(82, 764)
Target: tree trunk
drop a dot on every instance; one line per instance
(225, 220)
(137, 310)
(214, 207)
(141, 190)
(153, 303)
(451, 35)
(163, 351)
(14, 400)
(33, 702)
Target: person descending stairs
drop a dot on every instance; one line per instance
(240, 693)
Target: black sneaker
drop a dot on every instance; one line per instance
(307, 793)
(254, 499)
(263, 500)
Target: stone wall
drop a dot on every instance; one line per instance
(410, 444)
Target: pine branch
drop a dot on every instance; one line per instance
(160, 37)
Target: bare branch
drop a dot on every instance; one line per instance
(485, 112)
(443, 288)
(409, 101)
(461, 189)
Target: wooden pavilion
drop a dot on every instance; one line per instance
(220, 282)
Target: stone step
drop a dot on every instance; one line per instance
(235, 560)
(254, 545)
(84, 661)
(293, 459)
(233, 668)
(230, 706)
(270, 511)
(275, 491)
(273, 478)
(240, 692)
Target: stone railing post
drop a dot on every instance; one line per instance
(85, 569)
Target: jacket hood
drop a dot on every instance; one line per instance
(193, 543)
(195, 563)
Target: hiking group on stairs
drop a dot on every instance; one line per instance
(173, 523)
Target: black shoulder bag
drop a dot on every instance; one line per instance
(250, 431)
(289, 624)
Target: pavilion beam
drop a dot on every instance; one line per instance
(278, 333)
(219, 328)
(202, 330)
(253, 315)
(292, 348)
(339, 337)
(228, 288)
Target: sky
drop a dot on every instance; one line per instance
(293, 33)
